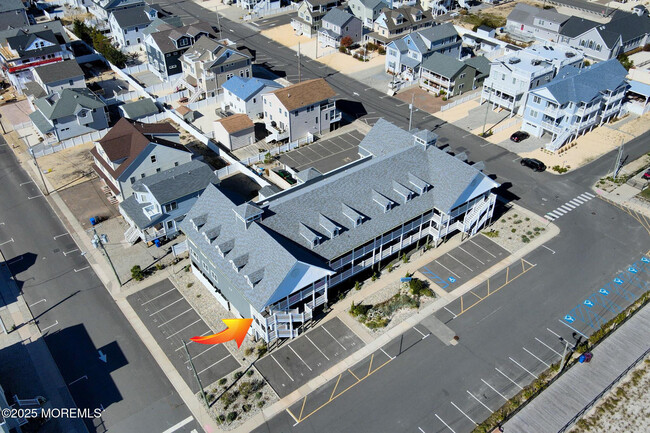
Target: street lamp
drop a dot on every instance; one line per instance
(566, 348)
(99, 241)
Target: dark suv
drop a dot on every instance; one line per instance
(519, 136)
(533, 163)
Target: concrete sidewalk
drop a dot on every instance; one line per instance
(583, 385)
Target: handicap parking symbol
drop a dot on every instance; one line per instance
(645, 260)
(633, 270)
(618, 281)
(604, 292)
(588, 303)
(452, 279)
(569, 319)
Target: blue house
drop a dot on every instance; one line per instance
(575, 101)
(243, 95)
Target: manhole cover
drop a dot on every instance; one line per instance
(57, 250)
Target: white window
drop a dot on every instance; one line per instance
(537, 99)
(170, 225)
(533, 114)
(153, 158)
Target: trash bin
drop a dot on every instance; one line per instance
(93, 221)
(588, 356)
(157, 242)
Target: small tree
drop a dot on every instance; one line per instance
(346, 41)
(136, 273)
(357, 285)
(268, 158)
(626, 61)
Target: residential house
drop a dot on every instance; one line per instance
(575, 101)
(24, 48)
(102, 9)
(234, 131)
(127, 25)
(404, 55)
(637, 100)
(486, 31)
(163, 23)
(338, 24)
(56, 76)
(395, 23)
(208, 64)
(160, 202)
(439, 7)
(513, 75)
(139, 109)
(284, 253)
(13, 14)
(69, 112)
(166, 47)
(132, 150)
(301, 109)
(446, 75)
(244, 95)
(396, 4)
(310, 14)
(259, 5)
(367, 10)
(529, 23)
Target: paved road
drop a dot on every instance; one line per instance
(78, 317)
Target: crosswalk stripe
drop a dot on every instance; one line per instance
(581, 200)
(556, 215)
(560, 211)
(575, 202)
(569, 205)
(549, 217)
(565, 208)
(589, 195)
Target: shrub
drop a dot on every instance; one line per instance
(137, 273)
(525, 239)
(513, 230)
(160, 266)
(248, 351)
(187, 268)
(626, 61)
(99, 42)
(416, 286)
(346, 42)
(377, 323)
(492, 234)
(238, 375)
(268, 158)
(260, 403)
(357, 285)
(245, 389)
(246, 407)
(249, 373)
(343, 50)
(223, 381)
(381, 51)
(559, 169)
(374, 277)
(517, 222)
(404, 258)
(232, 416)
(258, 395)
(371, 47)
(359, 309)
(228, 398)
(189, 285)
(221, 418)
(262, 349)
(390, 268)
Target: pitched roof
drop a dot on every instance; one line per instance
(236, 123)
(407, 12)
(575, 26)
(66, 102)
(213, 53)
(166, 23)
(22, 40)
(13, 20)
(59, 71)
(443, 65)
(481, 64)
(54, 26)
(131, 17)
(245, 88)
(372, 4)
(164, 38)
(140, 108)
(305, 93)
(338, 17)
(11, 5)
(628, 25)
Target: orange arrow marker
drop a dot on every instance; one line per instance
(237, 329)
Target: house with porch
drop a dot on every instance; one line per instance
(132, 150)
(275, 260)
(393, 24)
(244, 95)
(127, 24)
(448, 76)
(310, 15)
(338, 24)
(160, 202)
(259, 5)
(575, 101)
(367, 10)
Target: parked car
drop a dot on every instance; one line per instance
(519, 136)
(533, 163)
(646, 175)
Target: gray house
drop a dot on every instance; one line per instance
(283, 253)
(161, 201)
(529, 23)
(445, 75)
(337, 24)
(13, 14)
(69, 113)
(127, 24)
(367, 10)
(59, 76)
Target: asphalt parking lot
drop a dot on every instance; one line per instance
(274, 21)
(172, 320)
(303, 358)
(325, 155)
(464, 262)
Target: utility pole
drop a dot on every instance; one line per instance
(189, 358)
(31, 152)
(619, 161)
(411, 111)
(299, 71)
(486, 111)
(216, 10)
(99, 241)
(566, 347)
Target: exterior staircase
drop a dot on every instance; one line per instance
(559, 141)
(132, 235)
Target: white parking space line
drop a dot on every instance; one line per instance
(82, 269)
(471, 255)
(48, 327)
(183, 329)
(446, 425)
(470, 269)
(11, 240)
(190, 342)
(325, 329)
(422, 333)
(483, 249)
(280, 365)
(571, 327)
(153, 299)
(419, 428)
(36, 196)
(77, 380)
(504, 375)
(212, 346)
(300, 358)
(166, 306)
(391, 357)
(65, 253)
(548, 347)
(25, 183)
(452, 313)
(494, 389)
(175, 317)
(480, 402)
(317, 348)
(448, 270)
(210, 366)
(536, 357)
(62, 234)
(37, 302)
(466, 416)
(179, 425)
(523, 368)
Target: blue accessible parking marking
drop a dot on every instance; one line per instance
(604, 292)
(588, 303)
(633, 270)
(452, 279)
(569, 318)
(435, 278)
(618, 281)
(645, 260)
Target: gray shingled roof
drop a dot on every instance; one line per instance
(11, 5)
(338, 17)
(65, 102)
(140, 108)
(443, 65)
(308, 174)
(59, 71)
(177, 182)
(131, 17)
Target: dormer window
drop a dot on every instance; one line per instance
(225, 247)
(353, 215)
(329, 226)
(310, 235)
(239, 262)
(382, 200)
(420, 185)
(198, 222)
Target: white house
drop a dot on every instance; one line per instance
(244, 95)
(127, 24)
(234, 131)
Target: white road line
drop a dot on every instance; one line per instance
(36, 196)
(560, 211)
(452, 313)
(77, 380)
(37, 302)
(25, 183)
(483, 249)
(390, 357)
(11, 240)
(536, 357)
(183, 329)
(210, 366)
(470, 254)
(523, 368)
(254, 23)
(566, 208)
(556, 215)
(480, 402)
(580, 200)
(494, 389)
(179, 425)
(419, 428)
(153, 299)
(325, 329)
(48, 327)
(212, 346)
(446, 425)
(71, 251)
(575, 202)
(190, 342)
(466, 416)
(166, 306)
(588, 195)
(82, 269)
(555, 333)
(175, 317)
(504, 375)
(280, 365)
(62, 234)
(571, 327)
(317, 348)
(569, 205)
(548, 347)
(470, 269)
(448, 270)
(552, 252)
(300, 358)
(422, 333)
(548, 217)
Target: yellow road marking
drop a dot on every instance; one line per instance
(293, 416)
(335, 386)
(488, 284)
(507, 271)
(461, 305)
(370, 366)
(355, 376)
(303, 407)
(476, 295)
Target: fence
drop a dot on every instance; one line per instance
(225, 171)
(123, 97)
(154, 118)
(277, 150)
(136, 68)
(23, 125)
(70, 142)
(263, 13)
(173, 97)
(204, 103)
(460, 101)
(506, 125)
(160, 87)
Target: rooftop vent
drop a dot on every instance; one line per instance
(569, 54)
(514, 60)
